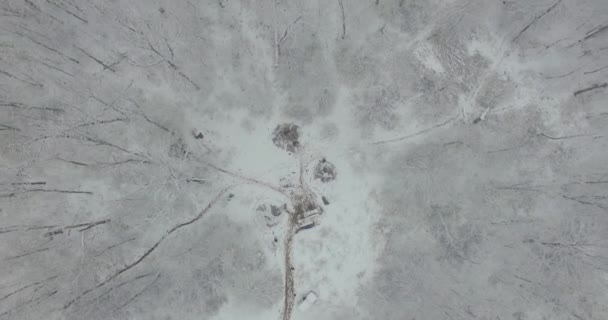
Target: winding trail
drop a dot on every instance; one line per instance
(289, 290)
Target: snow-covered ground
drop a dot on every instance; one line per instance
(326, 160)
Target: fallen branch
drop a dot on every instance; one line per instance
(563, 137)
(138, 293)
(27, 286)
(593, 87)
(114, 246)
(14, 193)
(12, 76)
(26, 254)
(594, 32)
(103, 64)
(285, 34)
(343, 19)
(596, 70)
(536, 20)
(152, 248)
(19, 105)
(68, 11)
(402, 138)
(47, 47)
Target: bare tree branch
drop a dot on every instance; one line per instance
(14, 193)
(593, 87)
(536, 20)
(103, 64)
(153, 247)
